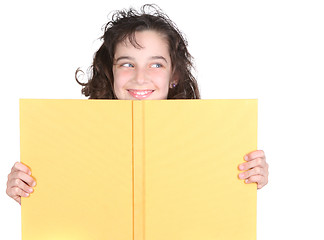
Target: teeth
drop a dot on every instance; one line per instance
(141, 92)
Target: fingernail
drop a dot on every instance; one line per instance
(241, 175)
(241, 167)
(34, 184)
(30, 190)
(27, 195)
(246, 158)
(246, 181)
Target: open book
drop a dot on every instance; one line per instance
(138, 170)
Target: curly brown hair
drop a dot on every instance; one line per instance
(123, 25)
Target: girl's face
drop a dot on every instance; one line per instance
(142, 73)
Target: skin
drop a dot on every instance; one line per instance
(255, 169)
(146, 68)
(20, 182)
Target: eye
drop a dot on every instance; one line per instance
(127, 65)
(156, 65)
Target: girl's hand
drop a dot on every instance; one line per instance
(256, 168)
(20, 182)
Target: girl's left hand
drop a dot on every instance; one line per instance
(256, 168)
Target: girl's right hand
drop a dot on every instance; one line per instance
(20, 182)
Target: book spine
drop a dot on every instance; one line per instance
(138, 170)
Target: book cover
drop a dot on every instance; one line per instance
(119, 169)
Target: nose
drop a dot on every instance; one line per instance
(140, 76)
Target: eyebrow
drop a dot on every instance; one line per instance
(124, 57)
(131, 58)
(159, 57)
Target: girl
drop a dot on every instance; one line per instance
(143, 56)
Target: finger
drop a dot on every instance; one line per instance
(255, 154)
(258, 162)
(16, 198)
(20, 184)
(16, 192)
(18, 166)
(29, 180)
(259, 179)
(252, 172)
(263, 183)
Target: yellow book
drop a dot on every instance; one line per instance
(138, 170)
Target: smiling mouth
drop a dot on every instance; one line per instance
(140, 94)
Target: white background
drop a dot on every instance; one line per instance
(270, 50)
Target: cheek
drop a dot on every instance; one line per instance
(120, 79)
(161, 79)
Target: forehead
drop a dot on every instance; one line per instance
(144, 41)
